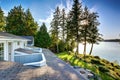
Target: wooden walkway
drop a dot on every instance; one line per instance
(55, 69)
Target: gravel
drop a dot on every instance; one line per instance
(56, 69)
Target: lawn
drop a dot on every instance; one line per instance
(101, 67)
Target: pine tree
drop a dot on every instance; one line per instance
(30, 24)
(75, 27)
(20, 22)
(63, 24)
(2, 20)
(94, 35)
(85, 28)
(55, 25)
(42, 38)
(16, 21)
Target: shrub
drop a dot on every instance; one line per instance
(103, 69)
(95, 61)
(97, 57)
(112, 64)
(117, 66)
(61, 46)
(87, 60)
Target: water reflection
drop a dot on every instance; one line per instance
(106, 50)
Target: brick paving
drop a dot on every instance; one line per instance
(56, 69)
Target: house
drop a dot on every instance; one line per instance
(31, 40)
(14, 47)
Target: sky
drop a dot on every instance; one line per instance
(42, 11)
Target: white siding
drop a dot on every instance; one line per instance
(14, 46)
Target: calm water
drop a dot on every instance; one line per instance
(107, 50)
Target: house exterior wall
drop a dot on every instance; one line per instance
(14, 45)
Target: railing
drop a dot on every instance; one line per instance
(29, 58)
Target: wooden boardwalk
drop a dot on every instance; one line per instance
(55, 69)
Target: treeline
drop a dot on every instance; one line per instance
(78, 26)
(21, 22)
(66, 32)
(112, 40)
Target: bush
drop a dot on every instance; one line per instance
(103, 69)
(95, 61)
(61, 46)
(105, 61)
(87, 60)
(117, 66)
(97, 57)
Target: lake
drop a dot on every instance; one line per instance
(107, 50)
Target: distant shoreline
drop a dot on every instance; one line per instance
(111, 40)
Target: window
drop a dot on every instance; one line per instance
(1, 51)
(18, 43)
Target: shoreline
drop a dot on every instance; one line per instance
(103, 68)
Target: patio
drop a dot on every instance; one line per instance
(54, 70)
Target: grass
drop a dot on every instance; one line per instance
(101, 67)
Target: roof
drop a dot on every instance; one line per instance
(31, 39)
(8, 36)
(27, 51)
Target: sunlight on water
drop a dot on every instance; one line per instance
(106, 50)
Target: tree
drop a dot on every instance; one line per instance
(55, 27)
(42, 38)
(2, 20)
(30, 24)
(85, 28)
(16, 21)
(94, 35)
(75, 27)
(20, 22)
(63, 24)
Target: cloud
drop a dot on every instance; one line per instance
(93, 9)
(5, 12)
(68, 5)
(50, 16)
(48, 20)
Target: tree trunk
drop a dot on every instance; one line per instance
(63, 36)
(85, 43)
(91, 49)
(84, 49)
(57, 47)
(77, 50)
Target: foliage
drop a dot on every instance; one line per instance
(63, 24)
(75, 28)
(30, 24)
(20, 22)
(61, 46)
(104, 71)
(80, 26)
(42, 38)
(2, 20)
(55, 27)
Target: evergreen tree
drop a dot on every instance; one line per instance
(2, 20)
(75, 27)
(63, 24)
(42, 38)
(20, 22)
(85, 28)
(30, 24)
(16, 21)
(70, 42)
(94, 35)
(55, 25)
